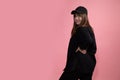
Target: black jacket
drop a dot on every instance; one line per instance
(76, 61)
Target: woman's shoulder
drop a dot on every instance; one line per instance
(86, 30)
(82, 28)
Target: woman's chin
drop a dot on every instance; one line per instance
(78, 24)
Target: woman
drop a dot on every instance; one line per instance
(81, 59)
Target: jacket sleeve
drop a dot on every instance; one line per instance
(93, 47)
(83, 38)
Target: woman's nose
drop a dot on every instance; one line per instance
(76, 17)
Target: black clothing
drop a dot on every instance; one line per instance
(76, 61)
(75, 76)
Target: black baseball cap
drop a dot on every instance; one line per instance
(80, 10)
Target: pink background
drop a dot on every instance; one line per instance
(34, 36)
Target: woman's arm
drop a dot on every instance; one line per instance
(83, 38)
(86, 41)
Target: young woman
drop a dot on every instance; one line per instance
(81, 59)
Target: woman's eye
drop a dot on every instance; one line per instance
(79, 15)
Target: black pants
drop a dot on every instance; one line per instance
(75, 76)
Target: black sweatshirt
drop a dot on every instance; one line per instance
(85, 39)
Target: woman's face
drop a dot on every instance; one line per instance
(77, 18)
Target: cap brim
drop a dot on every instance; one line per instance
(74, 12)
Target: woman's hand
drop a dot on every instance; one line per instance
(82, 51)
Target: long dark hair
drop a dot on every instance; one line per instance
(84, 23)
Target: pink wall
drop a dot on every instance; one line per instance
(34, 37)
